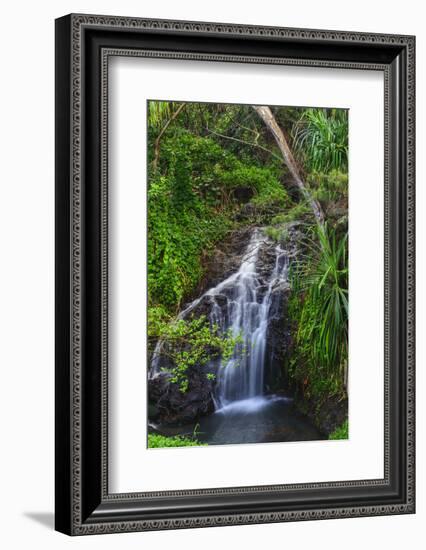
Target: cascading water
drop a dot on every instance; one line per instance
(247, 303)
(242, 303)
(246, 313)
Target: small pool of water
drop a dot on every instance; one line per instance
(263, 419)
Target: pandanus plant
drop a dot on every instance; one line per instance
(323, 282)
(321, 139)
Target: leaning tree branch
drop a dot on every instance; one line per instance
(268, 118)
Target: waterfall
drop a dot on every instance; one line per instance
(242, 303)
(249, 299)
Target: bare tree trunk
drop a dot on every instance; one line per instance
(160, 135)
(268, 118)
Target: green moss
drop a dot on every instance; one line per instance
(329, 187)
(342, 432)
(278, 230)
(299, 212)
(157, 441)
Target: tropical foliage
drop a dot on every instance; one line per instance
(213, 168)
(321, 138)
(191, 343)
(191, 202)
(320, 308)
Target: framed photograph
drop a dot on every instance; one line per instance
(234, 274)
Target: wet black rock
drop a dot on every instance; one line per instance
(325, 415)
(223, 261)
(171, 406)
(203, 307)
(207, 303)
(277, 339)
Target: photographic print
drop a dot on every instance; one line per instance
(247, 274)
(202, 274)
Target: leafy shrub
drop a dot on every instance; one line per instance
(180, 229)
(193, 343)
(271, 196)
(266, 186)
(157, 318)
(208, 160)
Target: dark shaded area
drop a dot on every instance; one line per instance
(265, 419)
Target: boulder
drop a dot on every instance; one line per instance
(172, 406)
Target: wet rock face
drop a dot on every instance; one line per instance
(169, 405)
(207, 303)
(278, 340)
(266, 260)
(223, 261)
(325, 415)
(278, 336)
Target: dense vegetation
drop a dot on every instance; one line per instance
(319, 309)
(191, 344)
(207, 164)
(157, 441)
(192, 204)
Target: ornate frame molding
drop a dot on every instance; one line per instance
(72, 46)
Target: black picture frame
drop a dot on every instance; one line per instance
(83, 46)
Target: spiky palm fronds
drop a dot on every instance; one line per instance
(321, 139)
(323, 283)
